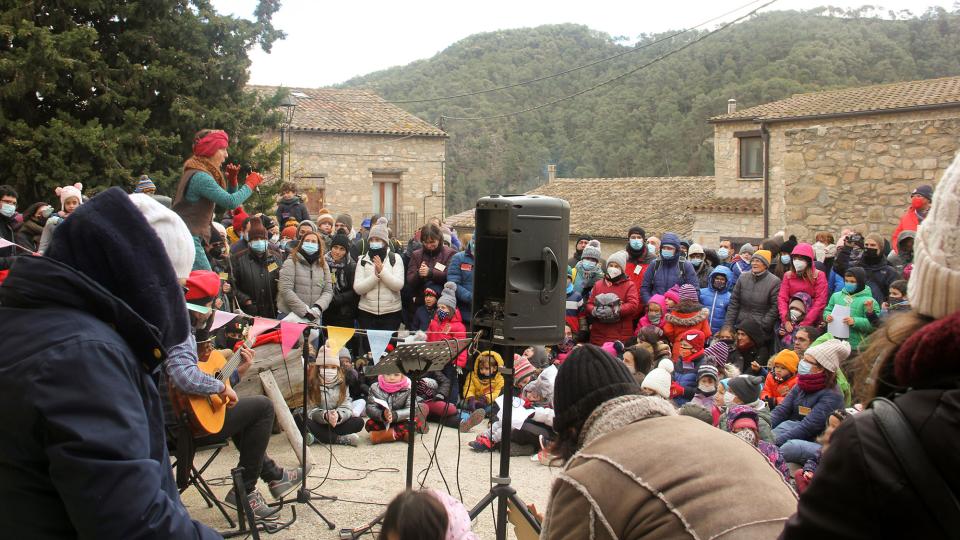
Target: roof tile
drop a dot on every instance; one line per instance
(729, 205)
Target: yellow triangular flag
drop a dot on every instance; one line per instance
(337, 337)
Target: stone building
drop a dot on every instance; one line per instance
(828, 160)
(352, 152)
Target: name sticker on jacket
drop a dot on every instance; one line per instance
(803, 410)
(466, 267)
(271, 267)
(637, 269)
(440, 267)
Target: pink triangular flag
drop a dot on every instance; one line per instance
(289, 334)
(261, 325)
(221, 318)
(5, 243)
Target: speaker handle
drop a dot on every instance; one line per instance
(549, 263)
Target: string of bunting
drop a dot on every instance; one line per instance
(292, 329)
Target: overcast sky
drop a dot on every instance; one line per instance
(330, 42)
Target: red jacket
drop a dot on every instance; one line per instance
(908, 222)
(451, 328)
(622, 330)
(792, 284)
(679, 323)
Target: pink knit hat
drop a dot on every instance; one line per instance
(66, 192)
(688, 292)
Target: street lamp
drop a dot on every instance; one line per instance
(289, 105)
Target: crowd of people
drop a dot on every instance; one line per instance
(757, 361)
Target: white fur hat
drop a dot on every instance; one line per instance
(173, 232)
(934, 287)
(659, 379)
(66, 192)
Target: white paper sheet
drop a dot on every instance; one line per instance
(386, 407)
(838, 328)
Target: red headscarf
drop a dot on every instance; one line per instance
(208, 145)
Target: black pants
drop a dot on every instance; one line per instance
(249, 423)
(529, 434)
(387, 321)
(326, 435)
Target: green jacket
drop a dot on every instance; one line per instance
(841, 378)
(861, 325)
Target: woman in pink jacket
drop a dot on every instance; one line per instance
(803, 278)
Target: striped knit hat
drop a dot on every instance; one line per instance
(934, 286)
(144, 183)
(708, 370)
(688, 292)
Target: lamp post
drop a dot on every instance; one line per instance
(289, 105)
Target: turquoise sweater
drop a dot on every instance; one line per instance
(203, 186)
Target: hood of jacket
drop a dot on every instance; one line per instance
(724, 271)
(491, 354)
(288, 203)
(692, 318)
(109, 241)
(904, 235)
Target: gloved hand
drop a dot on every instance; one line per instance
(675, 390)
(420, 336)
(253, 180)
(309, 316)
(316, 312)
(232, 170)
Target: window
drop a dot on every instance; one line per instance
(314, 188)
(751, 157)
(385, 195)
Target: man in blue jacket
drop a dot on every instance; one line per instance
(83, 452)
(461, 273)
(668, 270)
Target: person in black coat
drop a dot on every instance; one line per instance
(85, 326)
(342, 310)
(256, 273)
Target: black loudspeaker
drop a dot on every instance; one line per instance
(519, 277)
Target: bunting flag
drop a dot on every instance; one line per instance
(379, 339)
(289, 334)
(6, 243)
(261, 325)
(199, 309)
(337, 337)
(221, 318)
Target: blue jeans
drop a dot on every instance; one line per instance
(795, 450)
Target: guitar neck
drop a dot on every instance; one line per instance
(234, 362)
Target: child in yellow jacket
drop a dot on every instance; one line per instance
(484, 383)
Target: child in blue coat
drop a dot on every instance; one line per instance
(716, 296)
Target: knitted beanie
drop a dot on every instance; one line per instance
(708, 370)
(592, 250)
(742, 416)
(521, 368)
(448, 297)
(587, 378)
(747, 249)
(934, 286)
(176, 238)
(695, 249)
(746, 387)
(288, 232)
(239, 216)
(636, 229)
(340, 240)
(66, 192)
(659, 379)
(925, 191)
(345, 353)
(788, 359)
(718, 351)
(761, 255)
(346, 219)
(380, 230)
(830, 353)
(325, 215)
(144, 183)
(620, 258)
(789, 245)
(688, 292)
(694, 338)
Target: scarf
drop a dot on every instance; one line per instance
(204, 164)
(393, 388)
(812, 382)
(32, 228)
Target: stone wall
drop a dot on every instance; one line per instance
(711, 227)
(726, 162)
(856, 172)
(347, 164)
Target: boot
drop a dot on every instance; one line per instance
(383, 436)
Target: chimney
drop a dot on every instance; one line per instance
(551, 172)
(731, 106)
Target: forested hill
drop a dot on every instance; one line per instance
(654, 122)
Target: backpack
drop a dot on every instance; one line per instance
(606, 308)
(656, 266)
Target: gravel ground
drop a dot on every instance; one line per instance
(531, 480)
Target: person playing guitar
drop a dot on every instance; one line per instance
(248, 422)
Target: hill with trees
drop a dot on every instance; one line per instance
(653, 122)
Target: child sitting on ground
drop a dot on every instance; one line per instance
(565, 347)
(639, 360)
(688, 365)
(483, 384)
(426, 514)
(687, 315)
(782, 379)
(355, 383)
(743, 421)
(707, 380)
(331, 420)
(805, 475)
(388, 409)
(532, 411)
(658, 381)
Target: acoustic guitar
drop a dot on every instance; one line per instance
(206, 414)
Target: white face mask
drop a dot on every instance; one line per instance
(728, 398)
(614, 272)
(747, 435)
(329, 375)
(800, 265)
(795, 315)
(707, 388)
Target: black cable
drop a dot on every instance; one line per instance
(612, 79)
(553, 75)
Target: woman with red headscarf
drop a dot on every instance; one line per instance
(202, 187)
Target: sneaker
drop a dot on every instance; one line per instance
(287, 483)
(351, 439)
(482, 444)
(472, 421)
(257, 503)
(310, 439)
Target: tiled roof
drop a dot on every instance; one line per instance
(911, 95)
(334, 110)
(608, 207)
(729, 205)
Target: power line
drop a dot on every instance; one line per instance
(559, 73)
(612, 79)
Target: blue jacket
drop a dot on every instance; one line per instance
(687, 378)
(84, 452)
(738, 268)
(717, 301)
(820, 405)
(421, 319)
(460, 271)
(663, 274)
(834, 282)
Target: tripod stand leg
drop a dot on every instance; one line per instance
(329, 523)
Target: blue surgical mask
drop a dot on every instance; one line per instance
(258, 245)
(651, 249)
(8, 210)
(695, 262)
(569, 288)
(588, 265)
(310, 247)
(723, 253)
(785, 259)
(376, 245)
(804, 367)
(636, 244)
(849, 287)
(668, 254)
